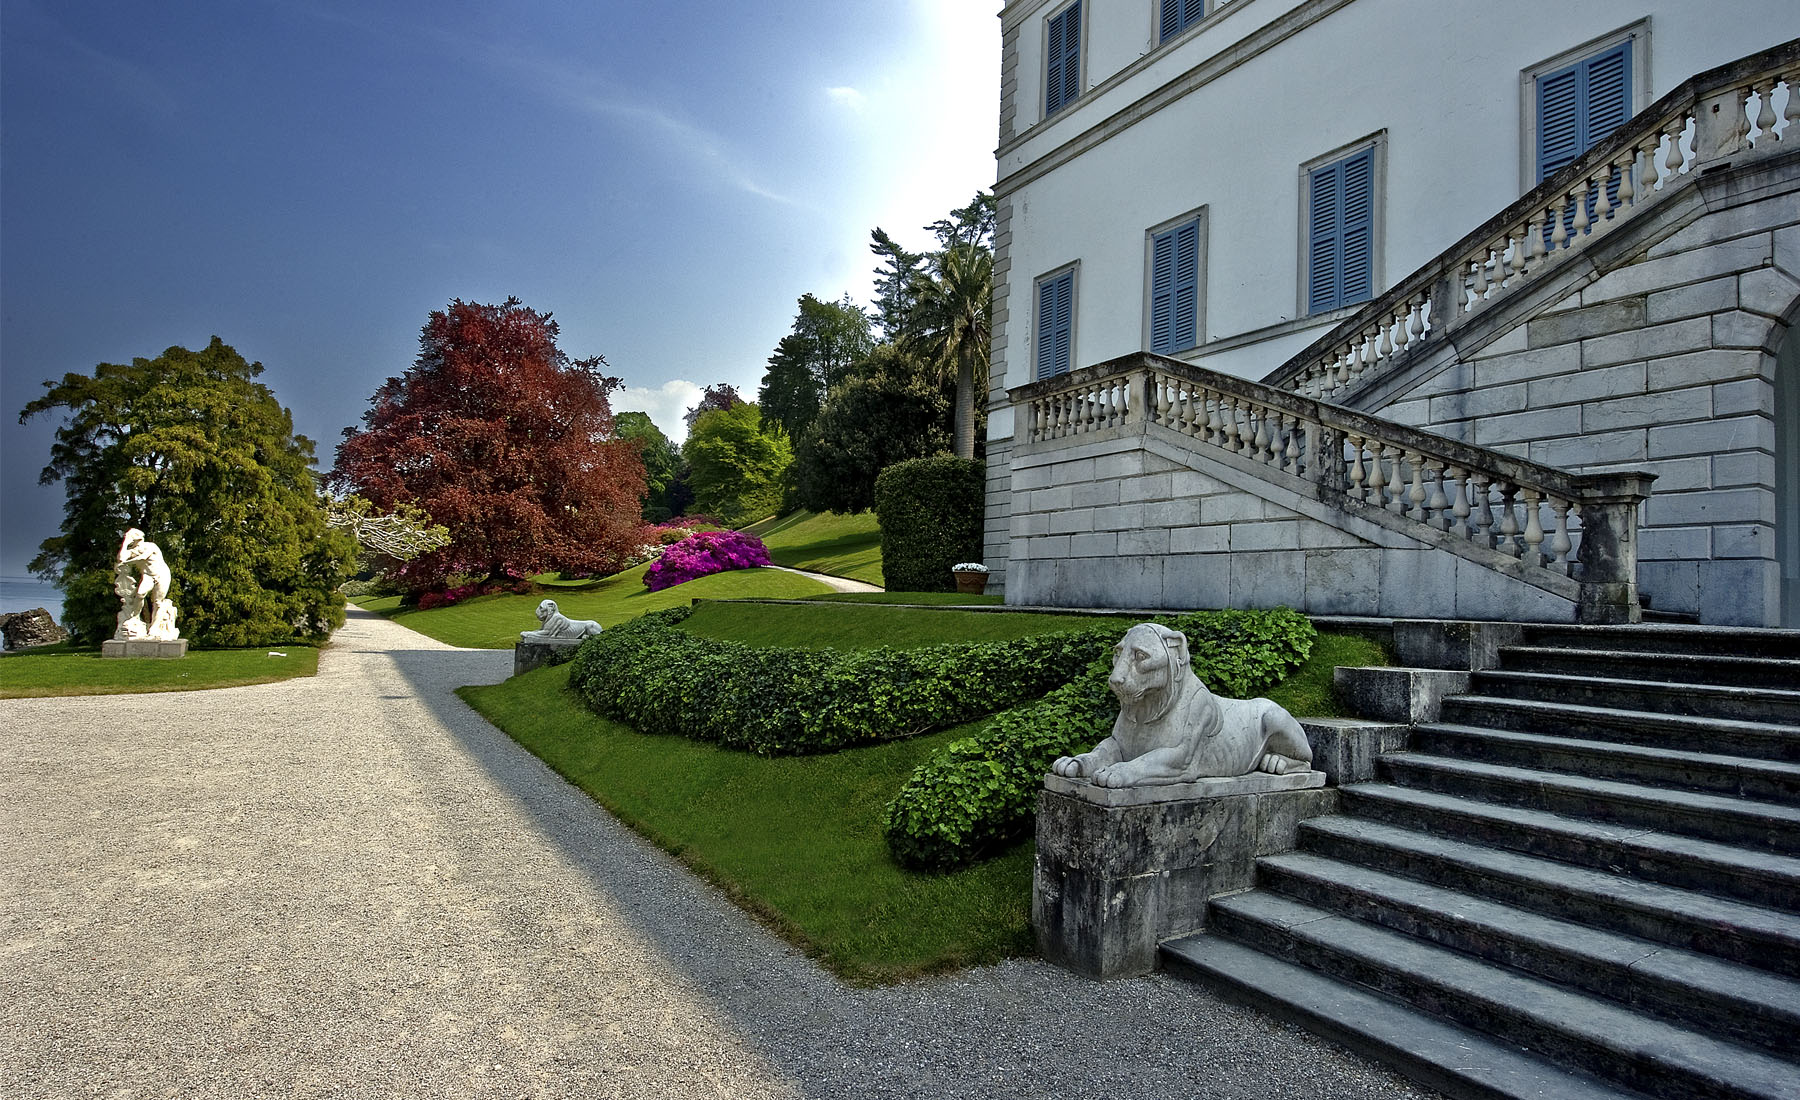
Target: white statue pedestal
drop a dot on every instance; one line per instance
(143, 647)
(1119, 870)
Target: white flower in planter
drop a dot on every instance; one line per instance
(969, 567)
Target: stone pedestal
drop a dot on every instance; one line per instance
(547, 651)
(143, 647)
(1120, 870)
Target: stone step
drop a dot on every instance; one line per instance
(1744, 777)
(1433, 1051)
(1511, 856)
(1661, 638)
(1626, 664)
(1591, 1034)
(1768, 825)
(1693, 990)
(1767, 740)
(1754, 704)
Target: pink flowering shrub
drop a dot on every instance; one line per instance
(519, 586)
(704, 553)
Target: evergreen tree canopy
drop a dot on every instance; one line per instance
(738, 468)
(827, 338)
(886, 412)
(662, 460)
(504, 441)
(191, 450)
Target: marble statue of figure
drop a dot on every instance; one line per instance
(141, 579)
(1171, 729)
(558, 627)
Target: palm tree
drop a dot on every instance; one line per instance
(950, 326)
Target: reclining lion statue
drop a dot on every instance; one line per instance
(558, 626)
(1172, 730)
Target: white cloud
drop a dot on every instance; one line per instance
(848, 97)
(664, 404)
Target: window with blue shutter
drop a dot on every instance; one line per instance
(1055, 323)
(1174, 288)
(1579, 105)
(1178, 16)
(1341, 232)
(1062, 69)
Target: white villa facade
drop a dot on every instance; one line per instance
(1231, 186)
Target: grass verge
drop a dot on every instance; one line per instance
(60, 670)
(834, 626)
(922, 598)
(825, 542)
(795, 840)
(494, 622)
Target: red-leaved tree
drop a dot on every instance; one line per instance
(506, 442)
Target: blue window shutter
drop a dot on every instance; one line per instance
(1187, 285)
(1179, 15)
(1056, 298)
(1062, 69)
(1325, 205)
(1580, 105)
(1559, 120)
(1162, 292)
(1356, 274)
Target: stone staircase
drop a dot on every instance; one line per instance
(1582, 881)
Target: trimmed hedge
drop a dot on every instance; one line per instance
(657, 678)
(931, 512)
(979, 794)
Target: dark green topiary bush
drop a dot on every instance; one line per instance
(657, 678)
(930, 510)
(979, 794)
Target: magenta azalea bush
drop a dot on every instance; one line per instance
(704, 553)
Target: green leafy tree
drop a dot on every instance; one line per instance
(662, 460)
(888, 410)
(968, 226)
(826, 340)
(951, 325)
(893, 281)
(738, 468)
(189, 448)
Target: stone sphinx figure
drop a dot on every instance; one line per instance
(558, 627)
(1172, 730)
(141, 580)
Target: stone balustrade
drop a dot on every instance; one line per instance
(1571, 534)
(1745, 109)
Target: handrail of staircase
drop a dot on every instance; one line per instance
(1723, 114)
(1573, 534)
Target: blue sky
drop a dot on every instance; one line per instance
(308, 180)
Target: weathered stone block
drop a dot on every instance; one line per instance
(1232, 507)
(1149, 487)
(1768, 292)
(1200, 540)
(1103, 544)
(1345, 748)
(1623, 380)
(1453, 645)
(1668, 407)
(1578, 452)
(1701, 367)
(1674, 543)
(1694, 300)
(1744, 468)
(1343, 582)
(549, 651)
(1398, 694)
(1268, 578)
(1735, 433)
(1750, 540)
(1484, 402)
(1752, 395)
(1579, 324)
(1672, 338)
(1278, 534)
(1113, 881)
(1709, 507)
(1537, 424)
(1149, 540)
(144, 647)
(1536, 363)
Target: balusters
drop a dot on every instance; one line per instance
(1397, 484)
(1435, 507)
(1357, 490)
(1377, 474)
(1534, 529)
(1483, 533)
(1580, 224)
(1560, 543)
(1459, 507)
(1416, 494)
(1290, 455)
(1603, 199)
(1559, 233)
(1508, 543)
(1627, 169)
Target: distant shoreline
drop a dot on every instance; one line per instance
(19, 593)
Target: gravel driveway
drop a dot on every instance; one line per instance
(353, 886)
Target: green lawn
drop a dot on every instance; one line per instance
(795, 840)
(825, 542)
(494, 622)
(835, 626)
(926, 598)
(60, 670)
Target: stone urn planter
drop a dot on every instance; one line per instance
(971, 578)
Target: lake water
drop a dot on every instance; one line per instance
(25, 593)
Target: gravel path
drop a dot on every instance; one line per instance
(840, 584)
(352, 886)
